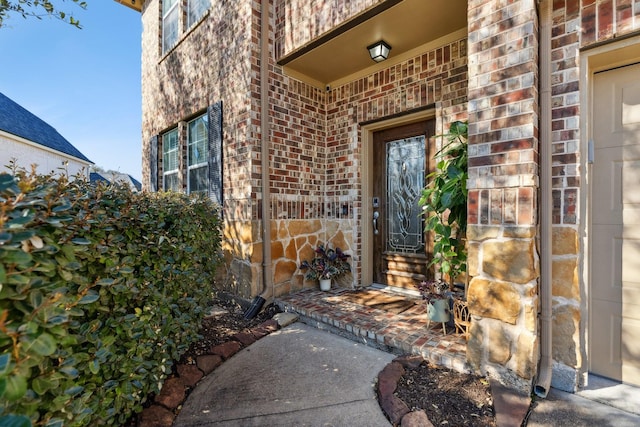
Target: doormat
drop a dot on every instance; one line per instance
(376, 299)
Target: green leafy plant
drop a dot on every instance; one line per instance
(37, 9)
(326, 264)
(100, 289)
(444, 202)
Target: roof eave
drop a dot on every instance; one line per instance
(133, 4)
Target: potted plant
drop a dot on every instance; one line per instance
(436, 293)
(326, 265)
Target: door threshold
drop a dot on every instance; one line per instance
(395, 290)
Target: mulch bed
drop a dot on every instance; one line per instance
(448, 397)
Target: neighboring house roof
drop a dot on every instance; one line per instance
(136, 183)
(18, 121)
(96, 177)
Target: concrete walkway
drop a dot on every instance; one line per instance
(304, 376)
(297, 376)
(603, 403)
(573, 410)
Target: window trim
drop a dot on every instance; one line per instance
(203, 164)
(183, 29)
(176, 5)
(167, 172)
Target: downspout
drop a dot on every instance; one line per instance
(546, 204)
(267, 292)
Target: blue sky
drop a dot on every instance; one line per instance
(85, 83)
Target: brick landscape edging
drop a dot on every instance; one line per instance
(394, 408)
(164, 408)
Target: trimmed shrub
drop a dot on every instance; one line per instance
(100, 290)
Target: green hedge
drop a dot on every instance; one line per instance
(100, 290)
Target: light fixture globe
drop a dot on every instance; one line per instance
(379, 51)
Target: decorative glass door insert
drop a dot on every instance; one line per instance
(405, 180)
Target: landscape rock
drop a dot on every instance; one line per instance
(388, 378)
(208, 363)
(259, 333)
(270, 325)
(409, 361)
(189, 374)
(265, 328)
(244, 338)
(416, 419)
(156, 416)
(226, 350)
(285, 319)
(394, 407)
(215, 311)
(172, 393)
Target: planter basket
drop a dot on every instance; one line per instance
(438, 311)
(461, 317)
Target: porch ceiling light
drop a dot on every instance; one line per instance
(379, 51)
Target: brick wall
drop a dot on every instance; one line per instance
(577, 24)
(301, 21)
(315, 153)
(503, 167)
(183, 82)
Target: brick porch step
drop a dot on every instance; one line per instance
(402, 333)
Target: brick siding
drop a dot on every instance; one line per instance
(489, 77)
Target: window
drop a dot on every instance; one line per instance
(170, 161)
(173, 19)
(170, 23)
(201, 140)
(195, 10)
(198, 155)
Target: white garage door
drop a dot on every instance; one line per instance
(614, 337)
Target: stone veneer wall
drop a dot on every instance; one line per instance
(503, 186)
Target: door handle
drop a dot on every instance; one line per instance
(376, 214)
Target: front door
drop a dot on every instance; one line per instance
(402, 159)
(614, 338)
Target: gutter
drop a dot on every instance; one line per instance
(545, 369)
